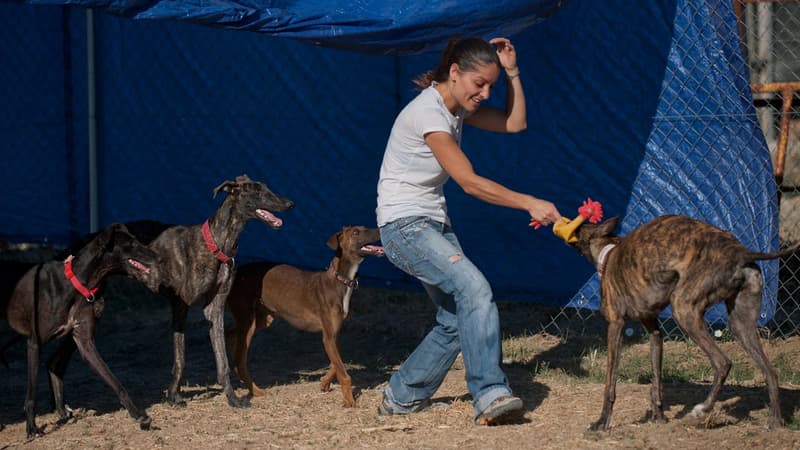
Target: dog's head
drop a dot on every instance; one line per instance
(254, 200)
(116, 250)
(592, 238)
(356, 243)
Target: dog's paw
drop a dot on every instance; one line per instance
(656, 416)
(256, 391)
(774, 423)
(699, 411)
(145, 422)
(65, 415)
(176, 401)
(239, 402)
(599, 425)
(35, 432)
(348, 401)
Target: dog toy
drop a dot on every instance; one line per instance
(590, 209)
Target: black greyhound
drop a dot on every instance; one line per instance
(59, 298)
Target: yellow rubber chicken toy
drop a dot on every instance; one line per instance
(591, 210)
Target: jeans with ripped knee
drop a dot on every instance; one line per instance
(466, 317)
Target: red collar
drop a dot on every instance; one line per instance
(87, 293)
(212, 246)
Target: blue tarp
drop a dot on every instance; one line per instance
(376, 26)
(646, 109)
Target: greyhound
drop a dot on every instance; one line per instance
(58, 299)
(310, 301)
(689, 265)
(199, 265)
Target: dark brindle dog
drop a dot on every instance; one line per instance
(198, 266)
(58, 299)
(689, 265)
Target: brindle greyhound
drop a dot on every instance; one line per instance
(689, 265)
(309, 301)
(58, 299)
(198, 265)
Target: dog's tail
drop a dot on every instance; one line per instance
(756, 256)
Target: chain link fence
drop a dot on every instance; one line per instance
(770, 37)
(770, 33)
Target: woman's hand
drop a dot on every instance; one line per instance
(506, 53)
(543, 211)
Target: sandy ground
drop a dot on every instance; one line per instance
(546, 371)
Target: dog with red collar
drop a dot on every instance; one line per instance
(64, 299)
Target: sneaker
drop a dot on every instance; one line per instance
(502, 409)
(390, 408)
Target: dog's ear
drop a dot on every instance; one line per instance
(102, 238)
(119, 231)
(118, 226)
(333, 241)
(227, 186)
(106, 237)
(607, 227)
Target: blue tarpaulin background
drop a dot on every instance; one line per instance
(646, 109)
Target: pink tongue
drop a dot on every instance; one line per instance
(373, 248)
(269, 217)
(139, 266)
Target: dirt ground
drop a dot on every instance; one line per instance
(546, 371)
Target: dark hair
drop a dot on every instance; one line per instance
(468, 53)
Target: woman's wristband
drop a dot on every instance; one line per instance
(511, 75)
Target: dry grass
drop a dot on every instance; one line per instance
(557, 379)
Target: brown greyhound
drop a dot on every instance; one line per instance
(689, 265)
(60, 298)
(199, 267)
(310, 301)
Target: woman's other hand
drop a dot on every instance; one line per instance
(506, 53)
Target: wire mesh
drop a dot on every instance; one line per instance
(770, 34)
(770, 38)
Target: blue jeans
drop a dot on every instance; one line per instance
(467, 318)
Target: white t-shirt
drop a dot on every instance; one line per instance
(411, 179)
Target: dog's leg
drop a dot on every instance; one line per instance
(248, 320)
(330, 339)
(231, 343)
(610, 394)
(238, 341)
(84, 339)
(743, 319)
(694, 325)
(656, 358)
(30, 397)
(244, 350)
(57, 366)
(242, 313)
(179, 312)
(214, 313)
(327, 379)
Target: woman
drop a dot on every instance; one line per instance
(422, 153)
